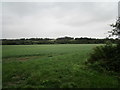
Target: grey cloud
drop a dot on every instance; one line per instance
(98, 12)
(57, 19)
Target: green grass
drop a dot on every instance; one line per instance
(52, 66)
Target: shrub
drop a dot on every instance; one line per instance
(106, 56)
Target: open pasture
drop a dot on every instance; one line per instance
(51, 66)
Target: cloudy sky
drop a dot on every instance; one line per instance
(57, 19)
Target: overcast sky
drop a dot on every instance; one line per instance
(58, 19)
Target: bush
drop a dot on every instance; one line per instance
(107, 57)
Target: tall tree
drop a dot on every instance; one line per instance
(116, 28)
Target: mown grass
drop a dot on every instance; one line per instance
(52, 66)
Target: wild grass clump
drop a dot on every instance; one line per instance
(106, 57)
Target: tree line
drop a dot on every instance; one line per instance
(61, 40)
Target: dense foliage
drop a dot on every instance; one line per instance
(62, 40)
(107, 57)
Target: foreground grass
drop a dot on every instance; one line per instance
(50, 66)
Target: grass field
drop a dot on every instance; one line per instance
(51, 66)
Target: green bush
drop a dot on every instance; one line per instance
(107, 57)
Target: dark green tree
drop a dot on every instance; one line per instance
(107, 57)
(116, 29)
